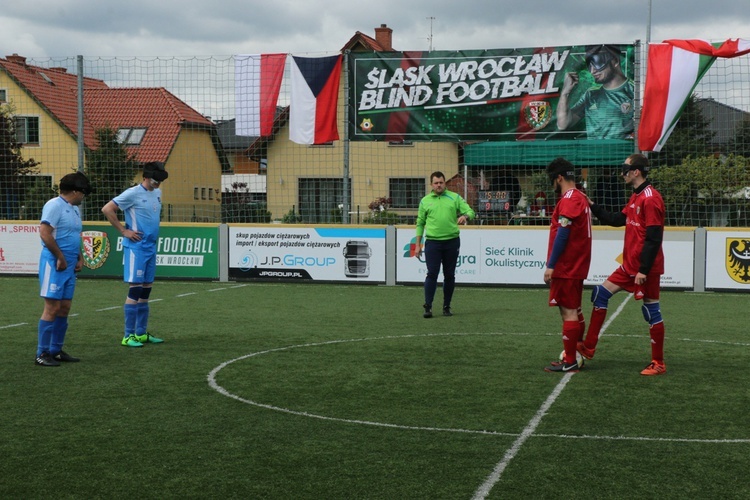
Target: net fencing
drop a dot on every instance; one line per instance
(183, 111)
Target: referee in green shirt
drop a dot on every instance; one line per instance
(440, 213)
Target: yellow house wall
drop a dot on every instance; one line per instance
(192, 163)
(57, 152)
(288, 162)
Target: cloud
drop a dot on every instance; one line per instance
(39, 28)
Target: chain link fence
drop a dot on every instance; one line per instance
(181, 110)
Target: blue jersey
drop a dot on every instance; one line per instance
(65, 220)
(142, 213)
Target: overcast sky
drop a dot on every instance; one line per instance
(49, 28)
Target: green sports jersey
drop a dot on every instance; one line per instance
(438, 215)
(608, 113)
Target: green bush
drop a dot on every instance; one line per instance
(291, 217)
(698, 189)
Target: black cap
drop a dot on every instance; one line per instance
(75, 181)
(636, 165)
(560, 166)
(155, 170)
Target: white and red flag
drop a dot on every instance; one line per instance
(674, 69)
(314, 99)
(257, 80)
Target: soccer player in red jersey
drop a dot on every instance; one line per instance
(568, 258)
(643, 261)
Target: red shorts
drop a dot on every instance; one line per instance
(565, 292)
(649, 290)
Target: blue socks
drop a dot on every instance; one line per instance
(141, 321)
(59, 328)
(44, 337)
(131, 311)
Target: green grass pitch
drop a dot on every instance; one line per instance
(340, 392)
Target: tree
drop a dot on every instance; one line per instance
(110, 169)
(741, 142)
(690, 137)
(702, 191)
(238, 205)
(13, 169)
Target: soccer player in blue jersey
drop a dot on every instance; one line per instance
(61, 258)
(142, 207)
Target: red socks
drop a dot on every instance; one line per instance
(657, 341)
(570, 335)
(598, 315)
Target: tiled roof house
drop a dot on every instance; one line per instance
(166, 129)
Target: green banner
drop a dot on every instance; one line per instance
(182, 252)
(562, 93)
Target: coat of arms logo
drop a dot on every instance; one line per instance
(738, 259)
(95, 248)
(537, 114)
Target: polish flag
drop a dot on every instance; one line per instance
(314, 99)
(674, 69)
(257, 80)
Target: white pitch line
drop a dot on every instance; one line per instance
(108, 308)
(528, 431)
(12, 326)
(186, 294)
(644, 438)
(216, 289)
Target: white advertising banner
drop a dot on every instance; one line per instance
(728, 259)
(518, 257)
(678, 247)
(318, 253)
(20, 247)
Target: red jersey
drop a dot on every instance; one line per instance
(644, 208)
(573, 211)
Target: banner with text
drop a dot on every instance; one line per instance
(20, 247)
(518, 257)
(498, 94)
(182, 251)
(318, 253)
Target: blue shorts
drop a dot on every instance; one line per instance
(54, 284)
(138, 266)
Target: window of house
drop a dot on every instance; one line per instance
(196, 193)
(3, 95)
(210, 193)
(319, 200)
(130, 136)
(406, 193)
(203, 193)
(27, 129)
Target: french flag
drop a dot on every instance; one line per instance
(257, 80)
(674, 69)
(314, 99)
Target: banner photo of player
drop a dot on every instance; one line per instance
(573, 92)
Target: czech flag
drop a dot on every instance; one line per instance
(674, 69)
(314, 99)
(257, 80)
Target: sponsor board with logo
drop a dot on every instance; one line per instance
(182, 251)
(728, 259)
(20, 246)
(518, 257)
(318, 253)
